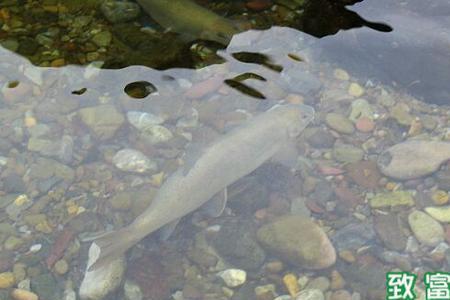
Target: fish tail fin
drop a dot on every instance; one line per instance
(110, 246)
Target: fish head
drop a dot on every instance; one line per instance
(295, 116)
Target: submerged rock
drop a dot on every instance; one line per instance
(413, 159)
(98, 283)
(392, 199)
(236, 242)
(131, 160)
(102, 120)
(426, 229)
(299, 241)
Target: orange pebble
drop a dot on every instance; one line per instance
(365, 124)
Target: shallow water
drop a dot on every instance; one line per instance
(76, 93)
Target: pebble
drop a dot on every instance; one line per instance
(102, 120)
(413, 159)
(132, 291)
(13, 243)
(389, 231)
(61, 267)
(308, 247)
(365, 125)
(347, 153)
(364, 173)
(361, 108)
(100, 282)
(392, 199)
(310, 294)
(337, 281)
(355, 90)
(427, 230)
(7, 280)
(156, 134)
(19, 294)
(265, 292)
(341, 74)
(291, 284)
(320, 138)
(440, 213)
(143, 120)
(233, 277)
(440, 197)
(131, 160)
(401, 113)
(320, 283)
(339, 123)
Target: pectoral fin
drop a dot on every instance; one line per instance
(166, 231)
(215, 207)
(287, 156)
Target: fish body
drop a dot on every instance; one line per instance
(231, 157)
(188, 18)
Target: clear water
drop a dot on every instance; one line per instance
(376, 74)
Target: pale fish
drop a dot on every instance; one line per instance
(190, 19)
(206, 177)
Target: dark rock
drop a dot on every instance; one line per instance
(236, 242)
(353, 236)
(364, 173)
(388, 229)
(247, 196)
(13, 183)
(46, 287)
(443, 179)
(321, 138)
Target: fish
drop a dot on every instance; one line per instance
(190, 19)
(203, 179)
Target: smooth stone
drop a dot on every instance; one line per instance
(132, 291)
(46, 287)
(355, 90)
(443, 179)
(7, 280)
(341, 295)
(364, 173)
(102, 120)
(388, 230)
(233, 277)
(102, 39)
(143, 120)
(348, 153)
(339, 123)
(310, 294)
(20, 294)
(413, 159)
(392, 199)
(353, 236)
(320, 138)
(97, 284)
(360, 108)
(439, 213)
(156, 134)
(13, 183)
(237, 244)
(131, 160)
(427, 230)
(401, 113)
(299, 241)
(320, 283)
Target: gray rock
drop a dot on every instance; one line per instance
(339, 123)
(46, 287)
(353, 236)
(13, 183)
(236, 243)
(443, 179)
(310, 294)
(321, 138)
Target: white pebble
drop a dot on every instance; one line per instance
(233, 277)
